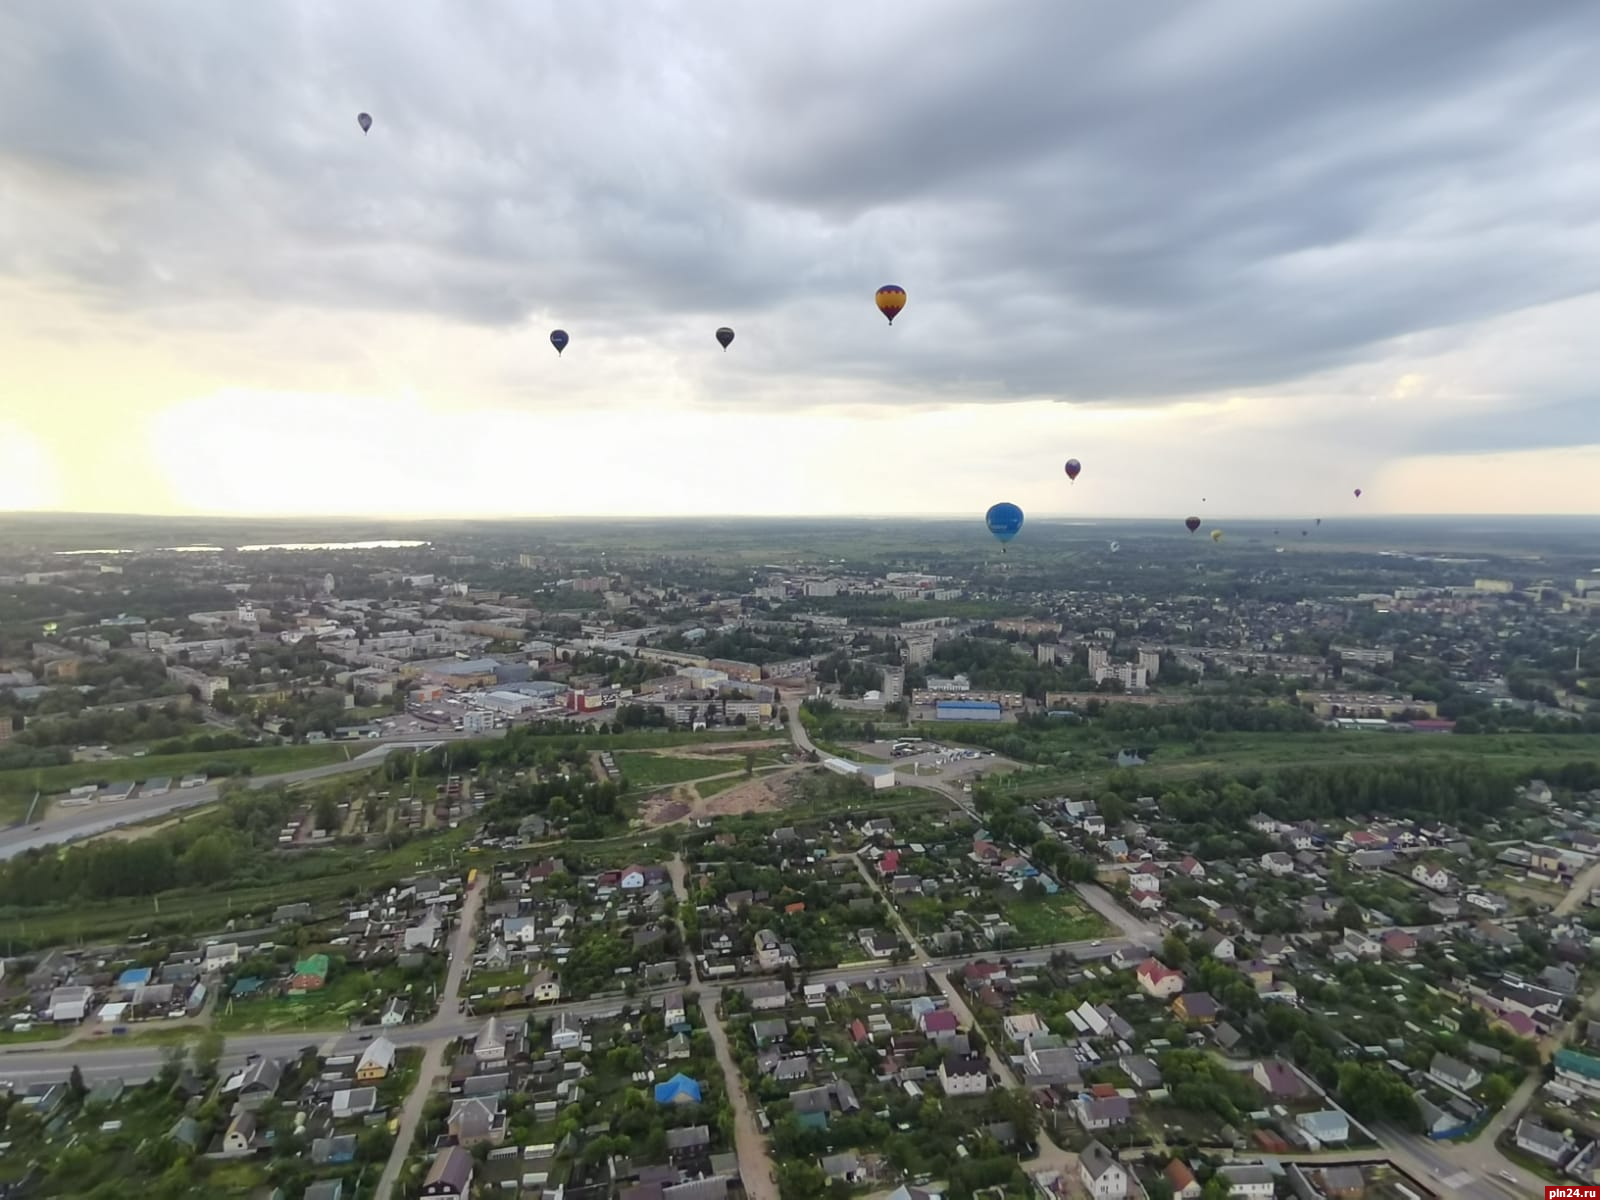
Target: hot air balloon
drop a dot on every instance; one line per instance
(1115, 546)
(1358, 493)
(365, 121)
(1216, 535)
(891, 299)
(1319, 520)
(1303, 532)
(558, 339)
(1073, 467)
(1193, 523)
(725, 336)
(1004, 521)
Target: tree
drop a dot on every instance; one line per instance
(327, 812)
(1216, 1189)
(75, 1084)
(749, 764)
(1174, 950)
(208, 1052)
(1496, 1091)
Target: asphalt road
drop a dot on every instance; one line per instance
(70, 824)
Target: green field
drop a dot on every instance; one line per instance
(1049, 919)
(1227, 752)
(654, 770)
(17, 787)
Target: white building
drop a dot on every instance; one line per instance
(964, 1075)
(1102, 1176)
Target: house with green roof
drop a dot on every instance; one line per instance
(310, 974)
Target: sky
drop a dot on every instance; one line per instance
(1252, 252)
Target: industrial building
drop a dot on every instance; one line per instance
(877, 776)
(967, 710)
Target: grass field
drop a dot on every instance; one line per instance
(17, 787)
(1239, 751)
(1058, 918)
(39, 1033)
(654, 770)
(661, 739)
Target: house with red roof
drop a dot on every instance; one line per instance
(889, 863)
(1159, 980)
(985, 851)
(982, 971)
(1190, 868)
(1145, 901)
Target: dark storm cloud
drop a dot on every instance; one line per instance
(1085, 201)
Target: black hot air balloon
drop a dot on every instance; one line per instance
(365, 121)
(725, 336)
(1073, 467)
(1192, 524)
(559, 339)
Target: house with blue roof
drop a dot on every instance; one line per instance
(134, 977)
(680, 1089)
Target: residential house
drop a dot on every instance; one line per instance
(1219, 945)
(1277, 862)
(1048, 1063)
(771, 954)
(1095, 1113)
(846, 1167)
(1196, 1006)
(1397, 943)
(1144, 1073)
(1248, 1181)
(1279, 1080)
(1146, 877)
(395, 1012)
(259, 1082)
(377, 1060)
(1432, 877)
(354, 1102)
(877, 943)
(240, 1137)
(1544, 1144)
(566, 1032)
(939, 1025)
(1144, 901)
(1019, 1027)
(1102, 1176)
(964, 1074)
(1329, 1127)
(767, 994)
(1191, 868)
(1182, 1181)
(1454, 1073)
(476, 1119)
(1159, 980)
(450, 1176)
(543, 988)
(1359, 945)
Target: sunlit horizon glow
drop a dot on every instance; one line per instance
(245, 307)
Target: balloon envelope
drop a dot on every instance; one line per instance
(365, 121)
(1216, 535)
(1358, 493)
(558, 339)
(1073, 467)
(891, 299)
(1115, 546)
(1004, 521)
(725, 336)
(1193, 523)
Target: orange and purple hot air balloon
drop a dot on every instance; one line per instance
(891, 299)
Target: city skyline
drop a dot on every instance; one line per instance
(1208, 252)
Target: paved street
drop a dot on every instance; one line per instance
(69, 824)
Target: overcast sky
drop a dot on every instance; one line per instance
(1258, 252)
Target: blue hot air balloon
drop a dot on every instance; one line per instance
(558, 339)
(1004, 521)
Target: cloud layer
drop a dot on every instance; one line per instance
(1115, 207)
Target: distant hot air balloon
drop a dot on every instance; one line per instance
(1319, 520)
(1303, 532)
(1115, 546)
(1073, 467)
(1358, 493)
(1216, 535)
(891, 299)
(558, 339)
(365, 121)
(1004, 521)
(1193, 523)
(725, 336)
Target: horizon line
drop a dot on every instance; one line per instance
(798, 516)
